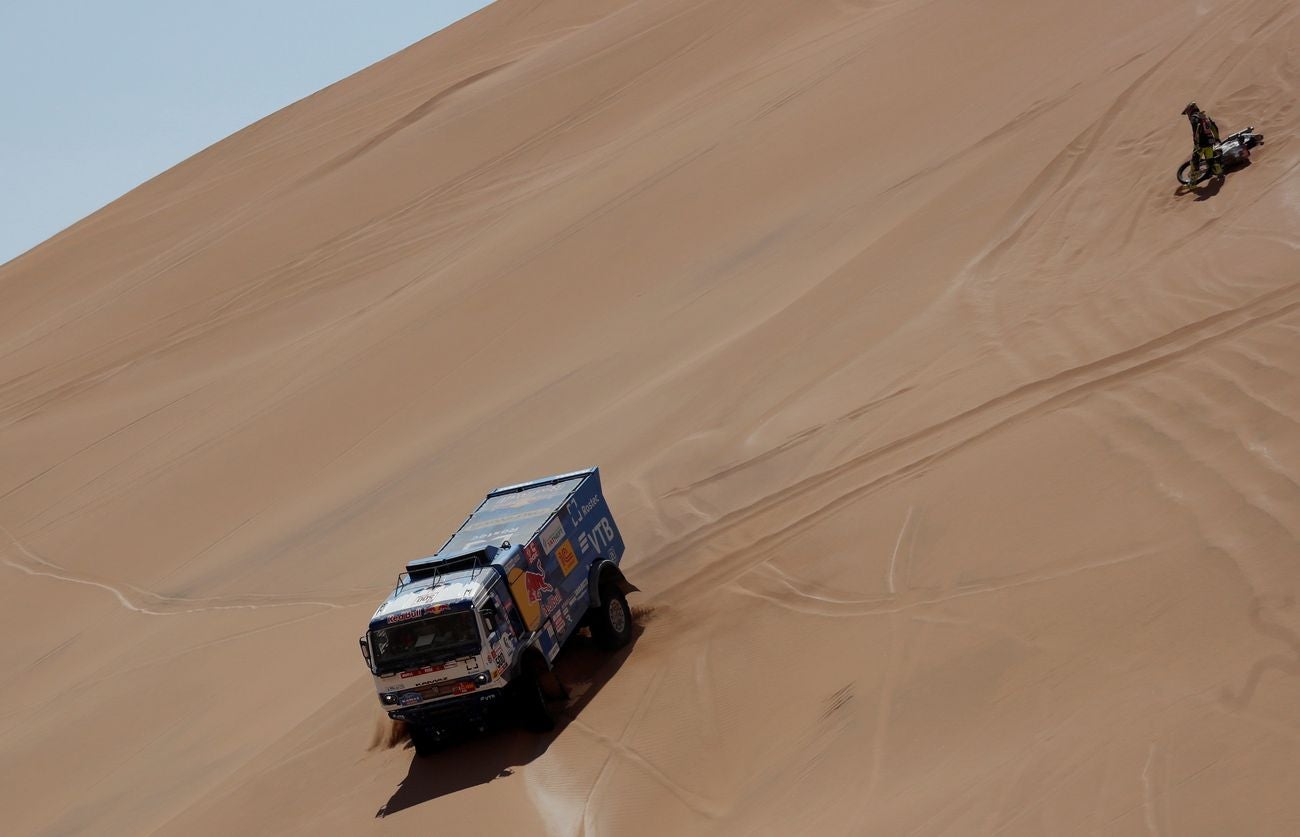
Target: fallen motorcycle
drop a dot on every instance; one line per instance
(1232, 151)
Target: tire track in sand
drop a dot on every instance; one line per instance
(828, 491)
(148, 603)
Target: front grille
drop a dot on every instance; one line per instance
(449, 710)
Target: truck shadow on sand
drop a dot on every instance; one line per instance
(478, 758)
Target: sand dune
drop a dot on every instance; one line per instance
(956, 450)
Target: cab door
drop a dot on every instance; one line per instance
(500, 630)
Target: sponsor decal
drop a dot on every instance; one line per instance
(579, 512)
(600, 536)
(416, 672)
(527, 496)
(567, 558)
(415, 613)
(493, 538)
(501, 522)
(509, 501)
(532, 552)
(438, 690)
(452, 689)
(552, 534)
(408, 699)
(424, 681)
(529, 612)
(535, 582)
(576, 601)
(536, 585)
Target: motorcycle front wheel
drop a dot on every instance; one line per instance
(1189, 174)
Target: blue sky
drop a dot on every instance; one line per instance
(97, 97)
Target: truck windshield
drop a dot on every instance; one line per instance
(417, 643)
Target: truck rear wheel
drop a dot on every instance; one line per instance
(611, 620)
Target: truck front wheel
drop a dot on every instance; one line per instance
(426, 742)
(530, 703)
(611, 620)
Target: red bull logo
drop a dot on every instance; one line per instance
(535, 581)
(528, 586)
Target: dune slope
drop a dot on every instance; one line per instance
(956, 450)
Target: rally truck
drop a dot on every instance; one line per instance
(470, 633)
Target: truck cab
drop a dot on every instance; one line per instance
(446, 632)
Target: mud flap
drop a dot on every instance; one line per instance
(607, 572)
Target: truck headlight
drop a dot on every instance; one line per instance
(388, 699)
(482, 678)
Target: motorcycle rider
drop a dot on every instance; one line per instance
(1205, 136)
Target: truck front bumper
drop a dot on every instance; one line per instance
(447, 713)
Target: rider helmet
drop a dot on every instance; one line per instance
(1190, 109)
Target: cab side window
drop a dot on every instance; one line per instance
(491, 617)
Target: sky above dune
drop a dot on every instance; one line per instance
(99, 98)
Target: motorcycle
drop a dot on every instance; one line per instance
(1231, 151)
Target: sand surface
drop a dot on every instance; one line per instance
(956, 452)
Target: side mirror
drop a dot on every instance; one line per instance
(365, 652)
(489, 619)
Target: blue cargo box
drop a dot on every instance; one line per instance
(545, 536)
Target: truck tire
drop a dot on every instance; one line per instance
(611, 620)
(426, 742)
(530, 704)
